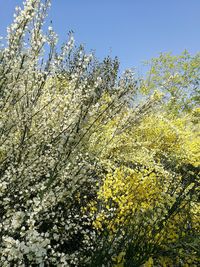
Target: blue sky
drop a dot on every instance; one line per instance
(133, 30)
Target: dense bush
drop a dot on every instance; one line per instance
(95, 169)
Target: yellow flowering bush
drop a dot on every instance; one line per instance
(148, 197)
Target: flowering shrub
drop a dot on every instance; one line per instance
(89, 176)
(147, 199)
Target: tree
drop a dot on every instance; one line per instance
(178, 78)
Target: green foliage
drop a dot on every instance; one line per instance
(178, 78)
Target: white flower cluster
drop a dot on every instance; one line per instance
(49, 110)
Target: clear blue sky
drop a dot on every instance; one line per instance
(133, 30)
